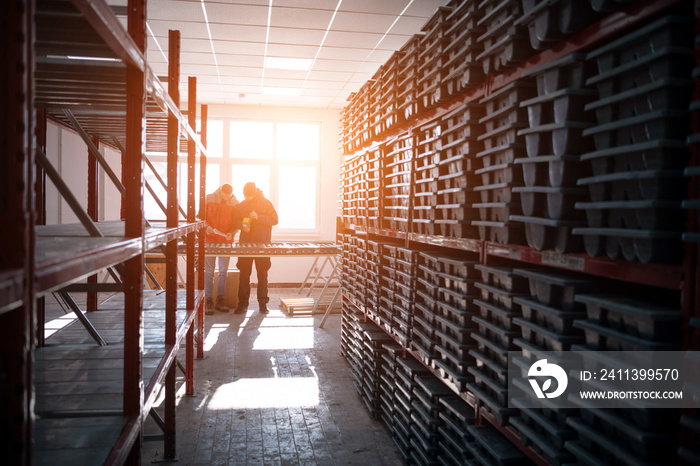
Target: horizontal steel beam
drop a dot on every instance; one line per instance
(94, 288)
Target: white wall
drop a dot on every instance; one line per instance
(69, 155)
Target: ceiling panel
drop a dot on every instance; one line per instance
(193, 45)
(301, 18)
(380, 56)
(392, 42)
(229, 80)
(344, 53)
(224, 13)
(344, 65)
(240, 71)
(204, 80)
(362, 22)
(246, 33)
(226, 59)
(424, 8)
(408, 25)
(187, 29)
(197, 58)
(239, 47)
(329, 85)
(292, 50)
(386, 7)
(362, 36)
(324, 5)
(357, 39)
(296, 36)
(284, 74)
(174, 10)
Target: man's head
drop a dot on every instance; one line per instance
(249, 190)
(226, 191)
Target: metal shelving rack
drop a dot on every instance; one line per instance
(682, 277)
(118, 101)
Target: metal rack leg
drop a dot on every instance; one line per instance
(318, 275)
(308, 275)
(330, 306)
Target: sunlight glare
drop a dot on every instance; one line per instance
(57, 324)
(266, 393)
(213, 335)
(278, 338)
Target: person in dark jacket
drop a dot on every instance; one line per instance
(255, 217)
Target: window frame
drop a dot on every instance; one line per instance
(226, 163)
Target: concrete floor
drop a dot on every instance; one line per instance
(274, 390)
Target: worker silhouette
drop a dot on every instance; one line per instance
(255, 217)
(219, 213)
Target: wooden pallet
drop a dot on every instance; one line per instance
(304, 305)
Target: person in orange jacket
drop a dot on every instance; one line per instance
(220, 208)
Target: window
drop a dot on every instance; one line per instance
(159, 161)
(281, 157)
(251, 140)
(297, 191)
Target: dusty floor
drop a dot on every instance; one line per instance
(274, 390)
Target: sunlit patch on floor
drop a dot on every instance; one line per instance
(213, 335)
(55, 325)
(283, 337)
(266, 393)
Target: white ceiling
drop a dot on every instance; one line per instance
(224, 44)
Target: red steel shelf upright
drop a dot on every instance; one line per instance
(17, 306)
(120, 103)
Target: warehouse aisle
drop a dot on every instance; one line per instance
(274, 390)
